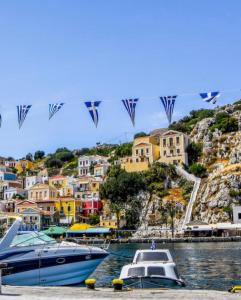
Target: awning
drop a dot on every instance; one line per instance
(55, 230)
(96, 230)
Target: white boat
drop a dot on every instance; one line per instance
(36, 259)
(151, 269)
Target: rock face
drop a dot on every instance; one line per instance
(215, 199)
(222, 157)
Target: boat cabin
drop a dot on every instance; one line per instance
(147, 256)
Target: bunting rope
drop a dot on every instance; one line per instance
(168, 103)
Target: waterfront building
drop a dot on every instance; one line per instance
(58, 181)
(236, 214)
(42, 191)
(69, 210)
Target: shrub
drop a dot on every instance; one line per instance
(198, 170)
(225, 123)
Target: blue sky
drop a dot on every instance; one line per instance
(84, 50)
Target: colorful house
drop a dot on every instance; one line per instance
(41, 191)
(69, 210)
(145, 151)
(173, 145)
(24, 165)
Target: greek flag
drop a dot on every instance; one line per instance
(93, 110)
(210, 97)
(153, 245)
(130, 105)
(22, 113)
(54, 108)
(168, 103)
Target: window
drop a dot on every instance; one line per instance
(152, 256)
(239, 216)
(45, 193)
(171, 141)
(48, 208)
(156, 271)
(164, 153)
(142, 152)
(136, 151)
(136, 272)
(177, 140)
(147, 150)
(164, 142)
(171, 152)
(37, 195)
(178, 151)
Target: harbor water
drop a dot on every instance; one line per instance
(215, 266)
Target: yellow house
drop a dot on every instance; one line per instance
(69, 209)
(42, 191)
(23, 165)
(173, 145)
(145, 151)
(58, 181)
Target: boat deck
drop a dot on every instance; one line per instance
(72, 293)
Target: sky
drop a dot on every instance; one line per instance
(73, 51)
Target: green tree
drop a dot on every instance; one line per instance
(29, 156)
(94, 219)
(39, 155)
(155, 179)
(140, 134)
(121, 188)
(194, 152)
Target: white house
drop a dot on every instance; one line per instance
(86, 161)
(10, 192)
(32, 180)
(237, 214)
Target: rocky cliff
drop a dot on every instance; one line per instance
(221, 187)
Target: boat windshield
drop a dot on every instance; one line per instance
(31, 239)
(152, 256)
(158, 271)
(136, 272)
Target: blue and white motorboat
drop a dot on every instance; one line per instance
(36, 259)
(151, 269)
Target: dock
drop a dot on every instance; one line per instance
(74, 293)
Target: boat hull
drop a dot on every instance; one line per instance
(152, 282)
(59, 275)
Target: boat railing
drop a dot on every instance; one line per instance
(103, 244)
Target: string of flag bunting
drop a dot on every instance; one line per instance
(168, 103)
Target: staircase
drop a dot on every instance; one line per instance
(188, 215)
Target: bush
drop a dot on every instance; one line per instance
(198, 170)
(225, 123)
(187, 123)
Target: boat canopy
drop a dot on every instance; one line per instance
(31, 239)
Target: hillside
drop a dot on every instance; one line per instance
(218, 133)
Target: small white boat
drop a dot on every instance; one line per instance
(151, 269)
